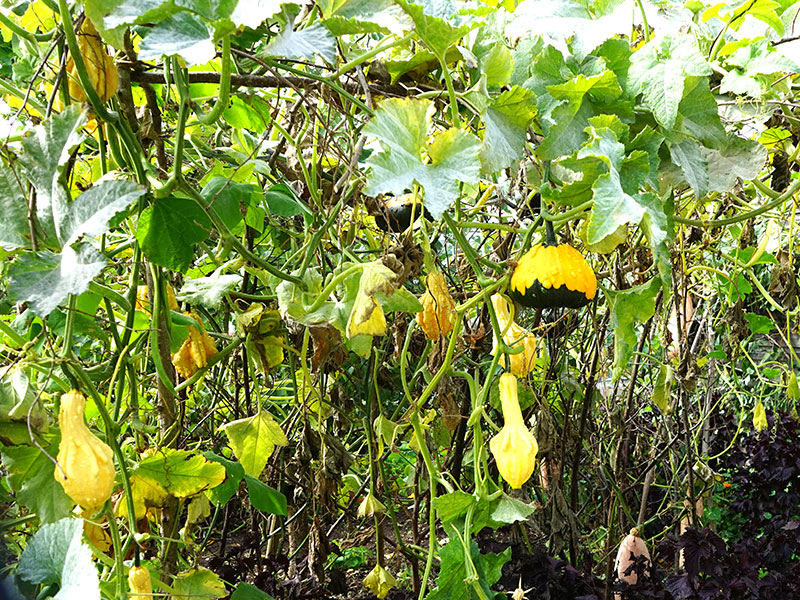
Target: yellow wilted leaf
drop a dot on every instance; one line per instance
(367, 314)
(379, 581)
(759, 417)
(438, 307)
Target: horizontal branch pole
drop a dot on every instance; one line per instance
(270, 81)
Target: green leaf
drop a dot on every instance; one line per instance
(88, 215)
(198, 583)
(282, 202)
(613, 203)
(453, 505)
(180, 473)
(438, 22)
(585, 25)
(690, 158)
(634, 305)
(698, 114)
(14, 227)
(741, 158)
(169, 229)
(45, 153)
(303, 44)
(234, 473)
(506, 120)
(253, 439)
(228, 199)
(209, 291)
(19, 407)
(759, 323)
(344, 17)
(30, 477)
(245, 591)
(254, 12)
(566, 115)
(511, 510)
(265, 498)
(56, 555)
(658, 231)
(497, 65)
(129, 12)
(45, 279)
(658, 71)
(247, 112)
(402, 125)
(450, 583)
(182, 34)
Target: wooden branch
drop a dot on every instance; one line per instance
(270, 81)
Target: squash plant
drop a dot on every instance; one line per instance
(293, 184)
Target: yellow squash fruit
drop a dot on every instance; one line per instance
(140, 584)
(438, 308)
(99, 65)
(143, 298)
(514, 448)
(195, 351)
(631, 548)
(85, 466)
(553, 275)
(522, 363)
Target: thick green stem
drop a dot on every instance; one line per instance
(224, 87)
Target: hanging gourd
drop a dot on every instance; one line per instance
(85, 466)
(396, 214)
(515, 336)
(553, 275)
(631, 548)
(514, 448)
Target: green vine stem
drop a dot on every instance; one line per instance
(224, 87)
(790, 191)
(362, 58)
(80, 66)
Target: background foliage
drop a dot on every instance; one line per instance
(230, 212)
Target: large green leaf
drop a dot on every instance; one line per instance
(303, 43)
(567, 110)
(439, 23)
(169, 229)
(658, 71)
(450, 584)
(45, 153)
(182, 34)
(88, 215)
(615, 192)
(265, 498)
(254, 12)
(199, 583)
(229, 200)
(253, 439)
(30, 477)
(363, 16)
(14, 227)
(628, 307)
(506, 120)
(180, 473)
(45, 279)
(741, 158)
(690, 158)
(56, 554)
(402, 126)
